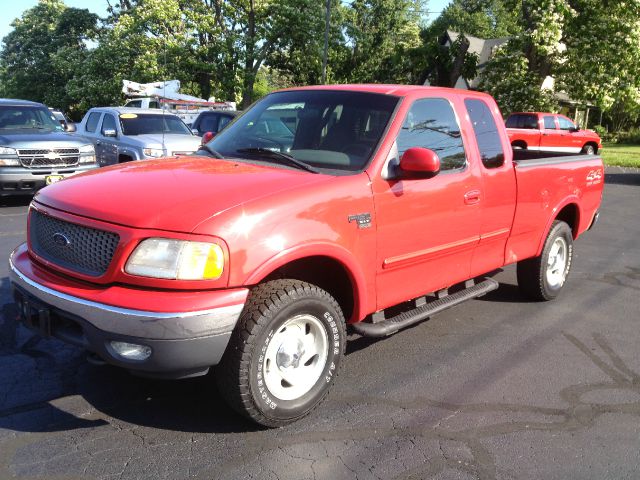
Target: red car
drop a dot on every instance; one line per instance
(550, 132)
(370, 205)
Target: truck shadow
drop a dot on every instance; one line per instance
(622, 178)
(15, 201)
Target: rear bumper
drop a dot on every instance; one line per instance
(182, 343)
(27, 181)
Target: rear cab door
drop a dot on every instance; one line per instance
(427, 228)
(490, 146)
(551, 139)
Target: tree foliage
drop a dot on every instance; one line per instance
(36, 61)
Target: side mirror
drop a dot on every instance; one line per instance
(195, 132)
(109, 133)
(71, 127)
(207, 137)
(418, 162)
(576, 129)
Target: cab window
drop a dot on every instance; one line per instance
(92, 121)
(566, 124)
(109, 123)
(549, 122)
(431, 123)
(486, 132)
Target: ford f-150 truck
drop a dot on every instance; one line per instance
(374, 206)
(550, 132)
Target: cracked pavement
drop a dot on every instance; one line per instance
(497, 388)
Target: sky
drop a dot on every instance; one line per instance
(12, 9)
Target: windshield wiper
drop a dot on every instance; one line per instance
(210, 151)
(281, 156)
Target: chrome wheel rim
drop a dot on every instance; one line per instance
(557, 263)
(295, 357)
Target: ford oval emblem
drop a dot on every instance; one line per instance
(61, 239)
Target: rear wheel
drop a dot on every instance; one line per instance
(542, 278)
(284, 354)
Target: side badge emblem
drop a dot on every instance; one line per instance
(362, 219)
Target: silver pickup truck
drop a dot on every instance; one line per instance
(123, 134)
(34, 149)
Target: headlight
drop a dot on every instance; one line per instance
(10, 157)
(153, 152)
(87, 154)
(176, 260)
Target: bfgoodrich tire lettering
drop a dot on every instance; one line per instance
(284, 354)
(543, 277)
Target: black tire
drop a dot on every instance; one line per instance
(589, 149)
(534, 277)
(242, 373)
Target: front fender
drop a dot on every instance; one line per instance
(333, 251)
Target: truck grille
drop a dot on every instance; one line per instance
(75, 247)
(55, 157)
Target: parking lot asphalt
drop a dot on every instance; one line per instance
(498, 387)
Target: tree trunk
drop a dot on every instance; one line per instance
(250, 45)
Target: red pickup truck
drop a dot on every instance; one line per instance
(550, 132)
(369, 205)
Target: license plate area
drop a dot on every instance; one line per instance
(49, 179)
(33, 314)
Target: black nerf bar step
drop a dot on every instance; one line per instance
(392, 325)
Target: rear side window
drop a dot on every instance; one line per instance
(431, 123)
(109, 123)
(486, 131)
(208, 123)
(92, 121)
(522, 120)
(549, 123)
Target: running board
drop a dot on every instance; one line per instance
(392, 325)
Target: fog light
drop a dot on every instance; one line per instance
(131, 351)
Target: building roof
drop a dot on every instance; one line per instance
(484, 48)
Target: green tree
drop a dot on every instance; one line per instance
(518, 70)
(376, 32)
(37, 55)
(603, 57)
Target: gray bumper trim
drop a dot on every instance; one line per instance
(137, 323)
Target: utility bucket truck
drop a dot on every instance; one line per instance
(167, 96)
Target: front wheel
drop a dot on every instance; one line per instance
(589, 150)
(284, 353)
(542, 278)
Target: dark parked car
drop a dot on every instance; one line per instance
(212, 121)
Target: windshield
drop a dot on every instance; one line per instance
(22, 117)
(145, 124)
(337, 130)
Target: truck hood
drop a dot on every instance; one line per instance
(172, 142)
(173, 194)
(27, 138)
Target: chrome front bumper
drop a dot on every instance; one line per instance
(183, 343)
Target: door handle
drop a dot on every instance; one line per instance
(98, 142)
(472, 197)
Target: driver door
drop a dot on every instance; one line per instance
(427, 228)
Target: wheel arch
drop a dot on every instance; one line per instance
(568, 212)
(328, 267)
(519, 144)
